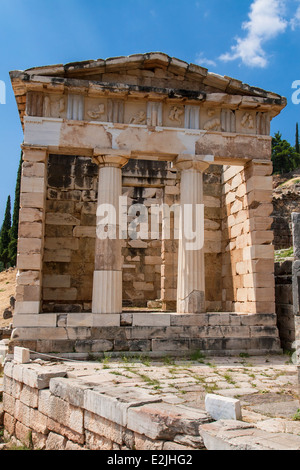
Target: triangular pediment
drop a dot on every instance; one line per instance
(154, 68)
(155, 74)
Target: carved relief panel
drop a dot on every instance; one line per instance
(54, 106)
(151, 113)
(210, 119)
(246, 122)
(95, 110)
(173, 116)
(136, 113)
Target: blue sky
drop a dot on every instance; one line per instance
(256, 41)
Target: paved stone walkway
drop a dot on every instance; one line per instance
(266, 386)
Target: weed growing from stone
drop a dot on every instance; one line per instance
(198, 356)
(211, 388)
(243, 355)
(168, 361)
(229, 379)
(296, 416)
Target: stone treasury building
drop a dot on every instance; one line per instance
(147, 135)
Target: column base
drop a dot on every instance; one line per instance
(107, 292)
(193, 303)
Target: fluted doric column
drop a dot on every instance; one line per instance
(107, 285)
(191, 273)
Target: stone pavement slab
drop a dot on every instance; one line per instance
(236, 435)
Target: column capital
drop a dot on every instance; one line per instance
(37, 148)
(33, 153)
(193, 162)
(111, 157)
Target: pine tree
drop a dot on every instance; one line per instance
(297, 145)
(12, 248)
(5, 235)
(284, 156)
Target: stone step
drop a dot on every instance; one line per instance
(238, 435)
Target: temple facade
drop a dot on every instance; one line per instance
(145, 212)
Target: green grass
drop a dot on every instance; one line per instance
(145, 361)
(149, 381)
(280, 255)
(209, 364)
(296, 416)
(168, 361)
(197, 356)
(210, 388)
(229, 379)
(243, 355)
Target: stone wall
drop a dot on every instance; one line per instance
(284, 304)
(46, 409)
(149, 183)
(157, 334)
(285, 201)
(247, 250)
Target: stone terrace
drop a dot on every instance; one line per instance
(145, 404)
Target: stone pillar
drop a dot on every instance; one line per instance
(31, 230)
(107, 285)
(257, 248)
(191, 273)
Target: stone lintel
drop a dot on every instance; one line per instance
(163, 143)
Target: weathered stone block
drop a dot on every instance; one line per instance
(30, 230)
(61, 411)
(161, 421)
(56, 442)
(102, 429)
(113, 405)
(21, 355)
(150, 319)
(35, 200)
(37, 320)
(220, 407)
(31, 262)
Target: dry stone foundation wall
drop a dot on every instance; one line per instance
(45, 409)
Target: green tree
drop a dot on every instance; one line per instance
(297, 145)
(284, 156)
(5, 235)
(12, 247)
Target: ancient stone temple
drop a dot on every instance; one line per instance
(147, 135)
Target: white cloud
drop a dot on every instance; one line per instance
(203, 61)
(266, 22)
(295, 21)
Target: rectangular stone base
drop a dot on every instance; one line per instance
(150, 333)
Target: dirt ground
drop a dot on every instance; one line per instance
(7, 289)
